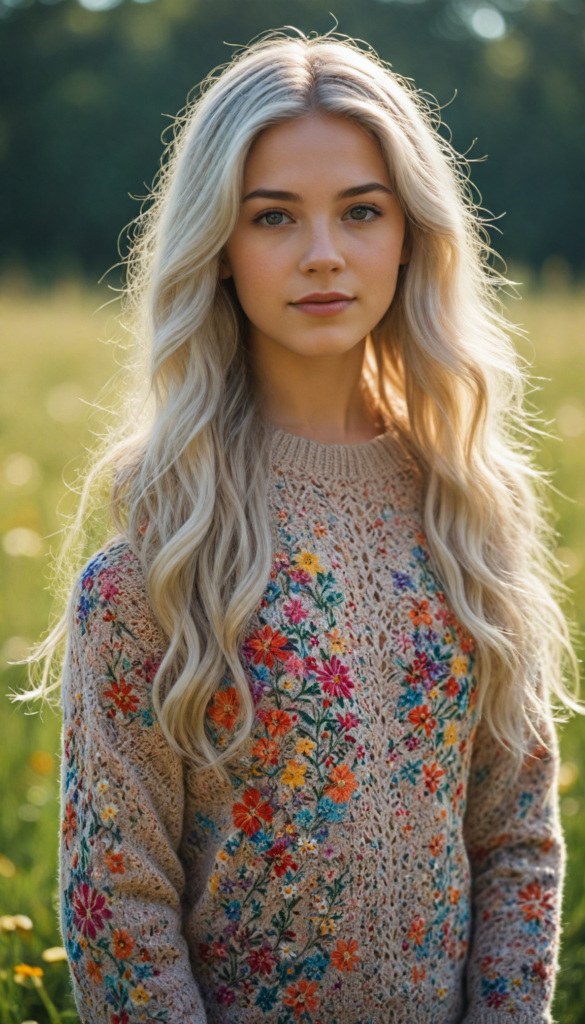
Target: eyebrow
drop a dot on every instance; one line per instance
(294, 197)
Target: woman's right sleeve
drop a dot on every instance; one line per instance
(121, 881)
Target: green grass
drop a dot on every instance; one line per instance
(51, 357)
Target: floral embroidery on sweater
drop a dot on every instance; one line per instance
(374, 856)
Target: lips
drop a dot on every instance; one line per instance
(324, 303)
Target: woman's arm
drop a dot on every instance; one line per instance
(121, 881)
(517, 858)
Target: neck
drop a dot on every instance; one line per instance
(322, 397)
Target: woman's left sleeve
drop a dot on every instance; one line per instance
(517, 859)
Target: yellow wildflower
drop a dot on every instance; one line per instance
(24, 971)
(309, 562)
(305, 746)
(294, 774)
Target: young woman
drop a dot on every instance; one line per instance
(309, 766)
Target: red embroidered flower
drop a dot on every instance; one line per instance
(262, 960)
(123, 696)
(249, 815)
(282, 860)
(90, 910)
(266, 645)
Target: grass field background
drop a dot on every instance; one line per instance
(54, 360)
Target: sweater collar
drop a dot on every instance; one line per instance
(305, 456)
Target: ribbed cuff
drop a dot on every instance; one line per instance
(493, 1017)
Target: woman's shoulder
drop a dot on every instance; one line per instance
(111, 594)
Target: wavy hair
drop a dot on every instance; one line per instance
(188, 488)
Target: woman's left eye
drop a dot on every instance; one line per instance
(361, 213)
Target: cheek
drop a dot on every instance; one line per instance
(258, 275)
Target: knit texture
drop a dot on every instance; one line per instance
(374, 858)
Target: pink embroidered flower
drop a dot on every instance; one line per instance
(90, 911)
(334, 678)
(295, 611)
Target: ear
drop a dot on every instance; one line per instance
(406, 253)
(225, 269)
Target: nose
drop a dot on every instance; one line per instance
(321, 254)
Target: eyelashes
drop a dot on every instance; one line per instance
(358, 207)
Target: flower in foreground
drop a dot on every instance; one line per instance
(301, 997)
(225, 707)
(334, 678)
(342, 785)
(345, 957)
(247, 815)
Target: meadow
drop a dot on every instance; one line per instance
(54, 361)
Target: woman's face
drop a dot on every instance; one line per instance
(320, 236)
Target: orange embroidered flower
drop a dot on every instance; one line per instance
(432, 776)
(266, 751)
(436, 844)
(69, 823)
(225, 707)
(420, 614)
(94, 971)
(422, 718)
(417, 931)
(342, 784)
(248, 814)
(267, 644)
(115, 862)
(418, 974)
(301, 997)
(123, 944)
(345, 957)
(277, 721)
(534, 902)
(123, 697)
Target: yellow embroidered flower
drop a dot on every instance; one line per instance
(337, 642)
(294, 774)
(213, 883)
(139, 995)
(459, 666)
(328, 927)
(434, 693)
(287, 684)
(305, 746)
(109, 812)
(309, 562)
(451, 734)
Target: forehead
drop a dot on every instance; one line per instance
(321, 150)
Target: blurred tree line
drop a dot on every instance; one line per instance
(86, 88)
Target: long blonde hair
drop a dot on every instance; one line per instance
(440, 364)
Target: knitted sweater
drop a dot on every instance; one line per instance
(375, 858)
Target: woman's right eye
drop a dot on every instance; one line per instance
(273, 218)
